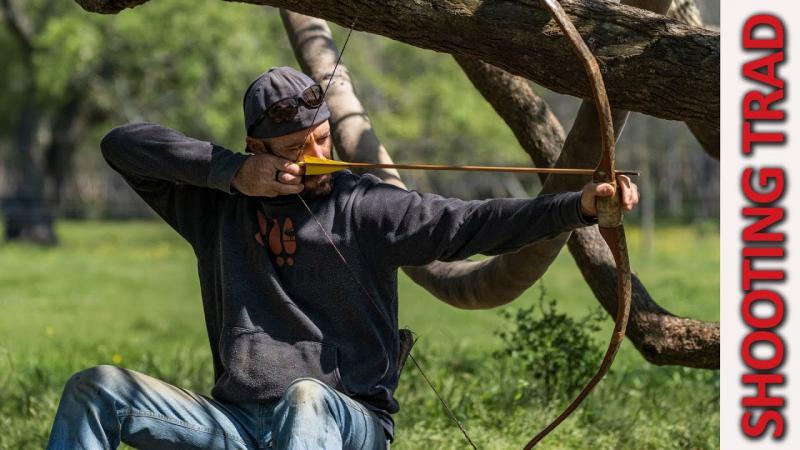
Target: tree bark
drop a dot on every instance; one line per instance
(651, 63)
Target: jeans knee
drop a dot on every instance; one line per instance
(306, 392)
(90, 381)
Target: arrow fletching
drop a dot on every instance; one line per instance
(319, 166)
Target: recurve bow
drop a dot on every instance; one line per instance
(609, 210)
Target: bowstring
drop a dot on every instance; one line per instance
(352, 272)
(444, 403)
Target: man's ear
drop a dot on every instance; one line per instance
(255, 145)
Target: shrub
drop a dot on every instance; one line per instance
(550, 352)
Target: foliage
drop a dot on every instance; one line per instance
(127, 294)
(183, 63)
(424, 108)
(186, 63)
(558, 353)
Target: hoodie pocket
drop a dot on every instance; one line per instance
(259, 366)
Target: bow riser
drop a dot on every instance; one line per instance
(609, 210)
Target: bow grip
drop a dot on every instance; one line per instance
(609, 210)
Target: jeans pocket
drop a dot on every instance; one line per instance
(260, 366)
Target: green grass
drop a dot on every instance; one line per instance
(127, 293)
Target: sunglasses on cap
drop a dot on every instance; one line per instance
(285, 109)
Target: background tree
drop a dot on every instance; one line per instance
(74, 75)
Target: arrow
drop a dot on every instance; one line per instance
(320, 166)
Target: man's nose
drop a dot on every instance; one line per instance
(314, 148)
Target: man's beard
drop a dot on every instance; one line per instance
(316, 186)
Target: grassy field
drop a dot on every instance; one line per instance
(127, 294)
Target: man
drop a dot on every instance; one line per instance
(298, 279)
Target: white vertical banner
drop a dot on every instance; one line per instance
(759, 207)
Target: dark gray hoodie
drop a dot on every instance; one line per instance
(278, 304)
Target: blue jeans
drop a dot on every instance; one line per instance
(104, 405)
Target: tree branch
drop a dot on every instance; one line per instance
(686, 11)
(500, 279)
(651, 64)
(353, 136)
(661, 337)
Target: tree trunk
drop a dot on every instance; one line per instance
(644, 57)
(71, 121)
(26, 214)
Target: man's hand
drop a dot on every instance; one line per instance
(267, 175)
(590, 192)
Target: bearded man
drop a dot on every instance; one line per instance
(305, 357)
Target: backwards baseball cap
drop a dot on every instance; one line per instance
(282, 101)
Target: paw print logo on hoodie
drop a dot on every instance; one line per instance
(279, 237)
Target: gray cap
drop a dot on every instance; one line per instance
(276, 84)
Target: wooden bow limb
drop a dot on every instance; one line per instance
(609, 211)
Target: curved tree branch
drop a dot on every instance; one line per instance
(354, 138)
(661, 337)
(500, 279)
